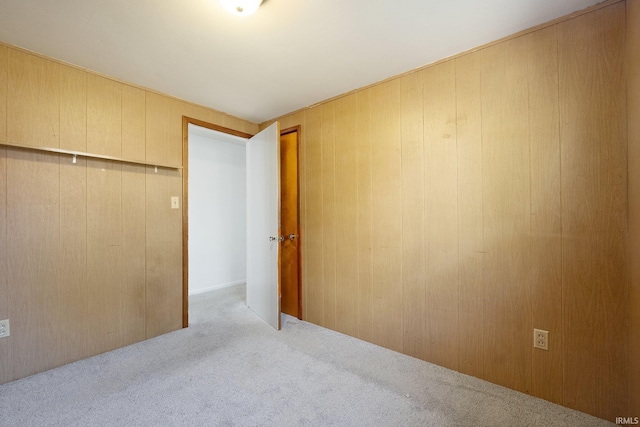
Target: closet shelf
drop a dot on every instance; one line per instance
(75, 154)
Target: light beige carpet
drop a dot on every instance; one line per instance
(230, 368)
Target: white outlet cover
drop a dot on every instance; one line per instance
(541, 339)
(4, 328)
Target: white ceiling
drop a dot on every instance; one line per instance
(290, 54)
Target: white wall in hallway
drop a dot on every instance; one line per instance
(217, 210)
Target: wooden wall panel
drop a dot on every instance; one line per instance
(4, 286)
(232, 122)
(387, 210)
(4, 86)
(328, 140)
(132, 297)
(73, 109)
(163, 290)
(594, 211)
(33, 217)
(293, 120)
(364, 257)
(222, 119)
(90, 253)
(72, 280)
(104, 274)
(413, 217)
(163, 129)
(546, 220)
(104, 254)
(201, 113)
(506, 212)
(133, 123)
(163, 276)
(104, 116)
(346, 215)
(312, 263)
(633, 104)
(441, 214)
(518, 232)
(470, 216)
(248, 127)
(104, 204)
(162, 222)
(33, 101)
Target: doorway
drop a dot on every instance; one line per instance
(290, 259)
(217, 210)
(186, 121)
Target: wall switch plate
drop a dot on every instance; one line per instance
(175, 202)
(541, 339)
(4, 328)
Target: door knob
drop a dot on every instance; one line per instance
(292, 236)
(279, 238)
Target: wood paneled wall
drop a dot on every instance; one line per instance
(633, 103)
(90, 253)
(450, 211)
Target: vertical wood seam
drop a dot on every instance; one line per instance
(146, 255)
(629, 236)
(358, 233)
(322, 269)
(424, 214)
(484, 254)
(402, 275)
(530, 272)
(401, 266)
(146, 223)
(425, 320)
(59, 158)
(402, 194)
(371, 267)
(59, 162)
(562, 319)
(455, 94)
(303, 231)
(562, 283)
(86, 206)
(425, 314)
(334, 279)
(455, 97)
(627, 282)
(121, 174)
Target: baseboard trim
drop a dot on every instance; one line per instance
(216, 287)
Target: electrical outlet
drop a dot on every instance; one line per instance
(4, 328)
(541, 339)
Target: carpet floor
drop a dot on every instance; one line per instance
(231, 369)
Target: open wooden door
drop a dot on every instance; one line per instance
(263, 224)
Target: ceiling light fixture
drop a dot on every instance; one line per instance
(241, 7)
